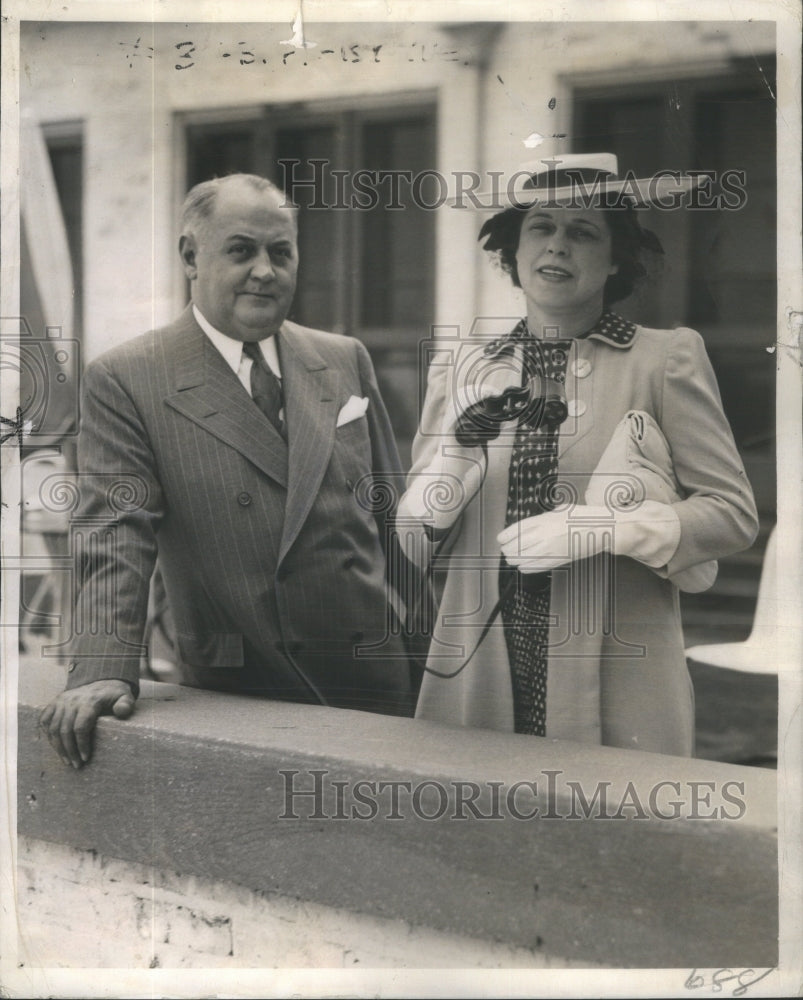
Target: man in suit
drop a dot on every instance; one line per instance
(244, 450)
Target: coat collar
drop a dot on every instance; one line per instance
(613, 330)
(610, 329)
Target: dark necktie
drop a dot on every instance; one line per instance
(265, 388)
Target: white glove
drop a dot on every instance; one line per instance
(538, 544)
(441, 490)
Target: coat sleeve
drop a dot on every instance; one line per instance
(385, 459)
(427, 445)
(427, 441)
(718, 515)
(386, 468)
(120, 505)
(445, 475)
(409, 589)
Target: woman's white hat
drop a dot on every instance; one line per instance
(577, 180)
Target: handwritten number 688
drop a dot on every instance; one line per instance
(721, 976)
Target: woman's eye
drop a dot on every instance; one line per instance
(584, 234)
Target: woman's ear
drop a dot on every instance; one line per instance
(186, 249)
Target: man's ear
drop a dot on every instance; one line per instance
(186, 249)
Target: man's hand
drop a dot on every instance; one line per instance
(69, 720)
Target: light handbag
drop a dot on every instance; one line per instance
(637, 466)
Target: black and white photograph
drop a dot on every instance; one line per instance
(402, 460)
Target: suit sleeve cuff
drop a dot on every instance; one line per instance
(81, 672)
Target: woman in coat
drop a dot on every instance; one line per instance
(576, 472)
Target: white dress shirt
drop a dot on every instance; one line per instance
(232, 351)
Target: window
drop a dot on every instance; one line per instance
(719, 274)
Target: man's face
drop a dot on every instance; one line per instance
(242, 262)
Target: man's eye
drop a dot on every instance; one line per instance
(285, 253)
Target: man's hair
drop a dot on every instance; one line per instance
(200, 201)
(628, 242)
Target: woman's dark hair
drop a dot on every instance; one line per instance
(628, 240)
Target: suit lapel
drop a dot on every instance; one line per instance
(209, 393)
(311, 392)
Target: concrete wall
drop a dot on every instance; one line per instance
(189, 841)
(160, 919)
(491, 94)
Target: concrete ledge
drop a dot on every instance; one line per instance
(153, 919)
(192, 785)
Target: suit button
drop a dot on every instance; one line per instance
(576, 407)
(243, 499)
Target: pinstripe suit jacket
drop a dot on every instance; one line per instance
(270, 551)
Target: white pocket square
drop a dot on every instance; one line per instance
(353, 409)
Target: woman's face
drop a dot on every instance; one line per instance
(564, 259)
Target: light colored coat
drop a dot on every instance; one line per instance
(616, 671)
